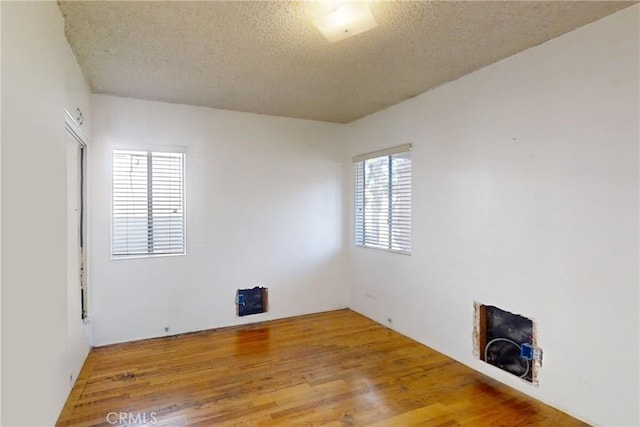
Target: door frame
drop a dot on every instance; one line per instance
(73, 128)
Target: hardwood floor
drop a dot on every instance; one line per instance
(337, 368)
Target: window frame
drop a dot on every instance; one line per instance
(360, 160)
(149, 150)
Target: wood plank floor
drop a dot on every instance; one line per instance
(336, 368)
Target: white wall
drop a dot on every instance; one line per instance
(263, 208)
(77, 93)
(40, 352)
(77, 96)
(526, 197)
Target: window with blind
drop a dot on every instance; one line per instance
(383, 199)
(147, 204)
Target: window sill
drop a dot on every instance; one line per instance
(393, 251)
(121, 257)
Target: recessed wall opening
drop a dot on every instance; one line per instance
(251, 301)
(506, 341)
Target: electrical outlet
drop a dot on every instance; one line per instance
(166, 329)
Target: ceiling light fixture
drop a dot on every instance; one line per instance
(346, 21)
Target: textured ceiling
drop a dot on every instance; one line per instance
(267, 57)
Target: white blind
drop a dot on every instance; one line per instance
(383, 202)
(148, 203)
